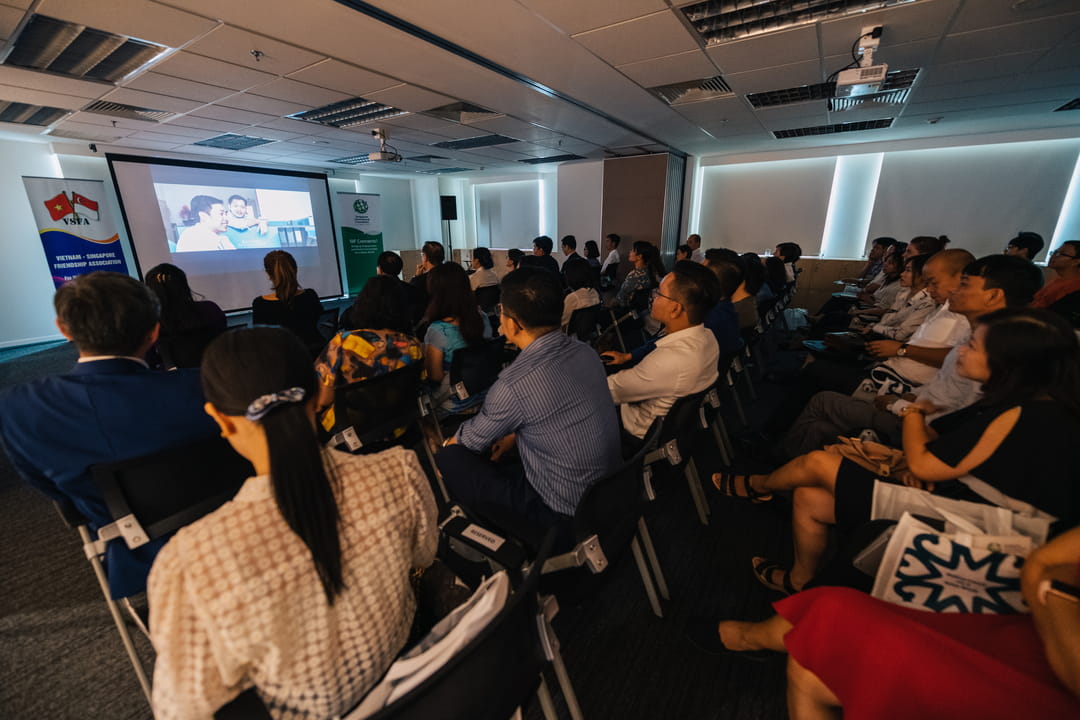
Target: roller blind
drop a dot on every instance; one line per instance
(507, 213)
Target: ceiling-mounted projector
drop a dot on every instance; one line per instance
(386, 153)
(861, 80)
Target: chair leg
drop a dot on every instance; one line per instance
(722, 440)
(646, 580)
(650, 553)
(135, 618)
(749, 382)
(547, 705)
(565, 686)
(114, 610)
(696, 491)
(738, 401)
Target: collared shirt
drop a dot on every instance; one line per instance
(96, 358)
(942, 329)
(200, 238)
(698, 255)
(682, 363)
(553, 396)
(948, 391)
(236, 601)
(903, 323)
(611, 259)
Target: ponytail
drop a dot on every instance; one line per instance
(281, 267)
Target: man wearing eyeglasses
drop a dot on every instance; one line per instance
(1065, 262)
(1026, 245)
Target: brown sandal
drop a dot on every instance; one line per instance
(728, 484)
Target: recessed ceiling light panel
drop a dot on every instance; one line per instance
(349, 113)
(230, 141)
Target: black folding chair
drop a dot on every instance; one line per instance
(487, 298)
(148, 498)
(474, 369)
(587, 323)
(328, 323)
(681, 428)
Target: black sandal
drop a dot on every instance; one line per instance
(727, 484)
(763, 571)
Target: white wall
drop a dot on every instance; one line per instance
(581, 197)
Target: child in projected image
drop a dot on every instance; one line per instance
(244, 229)
(209, 232)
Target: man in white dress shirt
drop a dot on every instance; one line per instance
(696, 254)
(684, 359)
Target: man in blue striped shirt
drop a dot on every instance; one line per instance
(552, 403)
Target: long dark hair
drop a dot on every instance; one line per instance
(775, 274)
(1031, 353)
(243, 365)
(452, 297)
(753, 272)
(381, 305)
(653, 264)
(178, 310)
(281, 267)
(592, 250)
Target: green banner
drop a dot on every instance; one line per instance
(361, 236)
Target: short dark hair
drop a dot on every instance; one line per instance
(728, 268)
(1030, 241)
(685, 249)
(753, 272)
(928, 244)
(515, 256)
(433, 252)
(615, 239)
(106, 313)
(899, 248)
(533, 297)
(483, 256)
(591, 249)
(578, 275)
(696, 288)
(236, 197)
(202, 204)
(569, 241)
(544, 243)
(381, 305)
(390, 263)
(884, 241)
(789, 251)
(1018, 278)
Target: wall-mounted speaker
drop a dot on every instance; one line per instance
(448, 205)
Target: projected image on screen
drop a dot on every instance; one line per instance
(202, 218)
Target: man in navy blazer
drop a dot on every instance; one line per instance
(110, 407)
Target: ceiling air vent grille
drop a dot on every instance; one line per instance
(551, 159)
(719, 21)
(426, 158)
(128, 112)
(352, 160)
(894, 90)
(23, 114)
(462, 112)
(692, 90)
(230, 141)
(444, 171)
(830, 129)
(1071, 105)
(474, 142)
(349, 113)
(64, 48)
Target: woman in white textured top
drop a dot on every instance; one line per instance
(916, 307)
(299, 586)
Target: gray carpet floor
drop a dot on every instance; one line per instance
(62, 658)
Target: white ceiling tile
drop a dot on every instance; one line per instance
(729, 112)
(169, 128)
(651, 36)
(775, 78)
(235, 46)
(208, 124)
(159, 137)
(573, 16)
(1053, 96)
(21, 4)
(35, 80)
(1063, 56)
(681, 67)
(257, 103)
(37, 97)
(9, 20)
(269, 133)
(135, 18)
(979, 14)
(213, 72)
(917, 54)
(1008, 39)
(178, 87)
(217, 112)
(780, 48)
(901, 24)
(150, 144)
(514, 128)
(114, 122)
(289, 125)
(97, 132)
(988, 68)
(793, 116)
(952, 112)
(343, 77)
(409, 97)
(152, 101)
(298, 92)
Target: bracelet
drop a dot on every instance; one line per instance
(909, 409)
(1059, 589)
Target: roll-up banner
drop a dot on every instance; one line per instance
(76, 227)
(360, 215)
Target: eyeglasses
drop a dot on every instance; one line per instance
(668, 297)
(1062, 253)
(501, 310)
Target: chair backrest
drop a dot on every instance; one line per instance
(641, 299)
(328, 323)
(375, 408)
(497, 672)
(172, 488)
(487, 297)
(184, 349)
(586, 323)
(683, 421)
(475, 368)
(611, 507)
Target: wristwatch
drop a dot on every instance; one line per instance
(1057, 588)
(902, 351)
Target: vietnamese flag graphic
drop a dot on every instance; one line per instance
(59, 206)
(86, 202)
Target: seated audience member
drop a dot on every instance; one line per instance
(1027, 245)
(1065, 262)
(745, 298)
(879, 246)
(375, 339)
(552, 403)
(722, 318)
(609, 269)
(300, 586)
(289, 306)
(187, 325)
(645, 276)
(921, 664)
(912, 307)
(579, 279)
(987, 285)
(390, 263)
(432, 255)
(682, 362)
(569, 249)
(790, 253)
(694, 243)
(683, 252)
(882, 299)
(455, 323)
(483, 270)
(592, 256)
(542, 247)
(513, 259)
(1028, 362)
(109, 407)
(775, 276)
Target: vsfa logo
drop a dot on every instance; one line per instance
(76, 220)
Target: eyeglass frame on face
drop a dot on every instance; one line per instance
(1060, 252)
